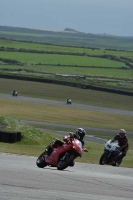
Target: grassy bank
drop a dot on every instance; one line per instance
(63, 115)
(35, 141)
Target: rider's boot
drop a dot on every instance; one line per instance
(119, 158)
(113, 163)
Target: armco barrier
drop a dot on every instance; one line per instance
(10, 136)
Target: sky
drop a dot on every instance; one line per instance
(113, 17)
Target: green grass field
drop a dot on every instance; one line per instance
(34, 58)
(59, 48)
(63, 115)
(105, 71)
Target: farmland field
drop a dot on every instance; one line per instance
(35, 58)
(60, 48)
(97, 66)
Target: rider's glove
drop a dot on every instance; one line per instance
(120, 148)
(112, 140)
(66, 139)
(71, 135)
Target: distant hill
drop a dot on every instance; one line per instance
(70, 30)
(68, 37)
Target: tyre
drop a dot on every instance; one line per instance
(5, 136)
(102, 160)
(19, 137)
(1, 136)
(13, 137)
(65, 160)
(41, 160)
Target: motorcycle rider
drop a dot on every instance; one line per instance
(123, 143)
(13, 92)
(67, 100)
(79, 135)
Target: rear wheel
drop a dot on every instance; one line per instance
(65, 160)
(41, 160)
(118, 162)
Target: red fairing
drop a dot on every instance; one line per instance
(71, 146)
(111, 159)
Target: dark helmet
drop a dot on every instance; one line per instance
(122, 132)
(80, 133)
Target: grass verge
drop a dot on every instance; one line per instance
(24, 110)
(35, 141)
(61, 92)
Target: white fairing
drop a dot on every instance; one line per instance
(68, 101)
(111, 146)
(78, 143)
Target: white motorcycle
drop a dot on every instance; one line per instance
(111, 155)
(68, 101)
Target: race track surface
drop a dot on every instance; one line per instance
(21, 179)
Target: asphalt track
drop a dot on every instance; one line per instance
(20, 178)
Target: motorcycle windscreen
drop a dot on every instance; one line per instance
(78, 147)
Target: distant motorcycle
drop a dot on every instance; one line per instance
(14, 93)
(68, 101)
(111, 154)
(62, 156)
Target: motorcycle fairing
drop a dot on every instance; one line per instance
(66, 147)
(54, 157)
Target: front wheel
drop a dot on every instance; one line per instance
(65, 161)
(41, 160)
(102, 160)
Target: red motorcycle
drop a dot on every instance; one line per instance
(62, 156)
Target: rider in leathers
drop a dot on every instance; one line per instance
(123, 143)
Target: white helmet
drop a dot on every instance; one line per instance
(122, 133)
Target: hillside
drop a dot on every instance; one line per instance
(68, 37)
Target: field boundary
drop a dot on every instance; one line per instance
(67, 83)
